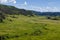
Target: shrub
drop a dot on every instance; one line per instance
(37, 32)
(14, 17)
(48, 17)
(1, 20)
(10, 20)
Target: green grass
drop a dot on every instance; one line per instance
(30, 28)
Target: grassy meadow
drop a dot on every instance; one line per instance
(29, 28)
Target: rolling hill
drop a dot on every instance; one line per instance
(20, 24)
(13, 10)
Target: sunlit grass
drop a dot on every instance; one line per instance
(30, 28)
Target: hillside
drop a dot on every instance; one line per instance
(46, 13)
(13, 10)
(20, 24)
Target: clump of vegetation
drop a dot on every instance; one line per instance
(2, 17)
(48, 17)
(36, 33)
(5, 37)
(10, 20)
(53, 17)
(14, 16)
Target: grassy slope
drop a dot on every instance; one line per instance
(30, 28)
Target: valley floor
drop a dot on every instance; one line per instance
(29, 28)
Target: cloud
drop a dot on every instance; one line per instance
(14, 2)
(46, 9)
(7, 1)
(25, 3)
(3, 1)
(37, 8)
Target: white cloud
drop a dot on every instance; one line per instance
(45, 9)
(3, 1)
(7, 1)
(41, 9)
(25, 3)
(14, 2)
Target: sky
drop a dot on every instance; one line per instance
(36, 5)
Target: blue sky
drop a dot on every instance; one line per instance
(37, 5)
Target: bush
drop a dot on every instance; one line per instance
(10, 20)
(2, 17)
(14, 17)
(1, 20)
(37, 32)
(48, 17)
(55, 19)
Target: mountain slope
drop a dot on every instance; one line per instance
(13, 10)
